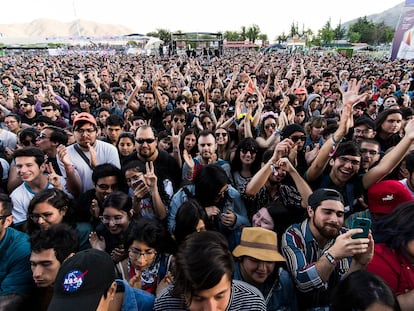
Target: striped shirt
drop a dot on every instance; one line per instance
(302, 251)
(243, 297)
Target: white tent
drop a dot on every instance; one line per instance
(153, 43)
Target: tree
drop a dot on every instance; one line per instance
(281, 38)
(326, 34)
(232, 36)
(339, 31)
(243, 33)
(371, 32)
(253, 33)
(293, 30)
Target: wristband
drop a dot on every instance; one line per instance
(330, 258)
(277, 133)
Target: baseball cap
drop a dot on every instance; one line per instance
(365, 121)
(324, 194)
(386, 195)
(82, 280)
(292, 128)
(84, 116)
(259, 243)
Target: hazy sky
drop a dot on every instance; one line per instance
(142, 16)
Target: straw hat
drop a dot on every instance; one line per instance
(258, 243)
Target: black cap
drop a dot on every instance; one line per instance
(82, 280)
(365, 121)
(323, 194)
(292, 128)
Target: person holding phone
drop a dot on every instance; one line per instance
(319, 252)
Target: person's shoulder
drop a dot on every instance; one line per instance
(246, 297)
(165, 301)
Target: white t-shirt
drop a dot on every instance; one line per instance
(105, 153)
(21, 197)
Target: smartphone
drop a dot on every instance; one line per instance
(136, 183)
(363, 223)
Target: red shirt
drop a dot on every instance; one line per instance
(393, 268)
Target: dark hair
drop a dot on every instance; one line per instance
(61, 238)
(6, 203)
(396, 228)
(128, 135)
(105, 170)
(15, 116)
(30, 152)
(347, 148)
(118, 200)
(189, 131)
(153, 233)
(115, 120)
(178, 112)
(382, 116)
(250, 143)
(187, 218)
(201, 262)
(409, 162)
(361, 289)
(58, 135)
(208, 181)
(31, 132)
(56, 198)
(49, 104)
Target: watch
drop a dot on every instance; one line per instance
(330, 258)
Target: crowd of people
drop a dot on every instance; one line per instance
(188, 182)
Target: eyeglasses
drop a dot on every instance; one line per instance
(44, 216)
(364, 132)
(297, 138)
(42, 135)
(135, 252)
(246, 150)
(116, 220)
(178, 119)
(405, 83)
(4, 216)
(141, 141)
(24, 105)
(268, 126)
(47, 109)
(218, 134)
(371, 152)
(106, 187)
(345, 160)
(83, 131)
(390, 102)
(223, 192)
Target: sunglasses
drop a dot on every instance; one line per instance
(144, 140)
(24, 105)
(251, 101)
(297, 138)
(178, 119)
(272, 125)
(221, 193)
(246, 150)
(221, 134)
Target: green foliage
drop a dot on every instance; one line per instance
(370, 32)
(232, 36)
(162, 34)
